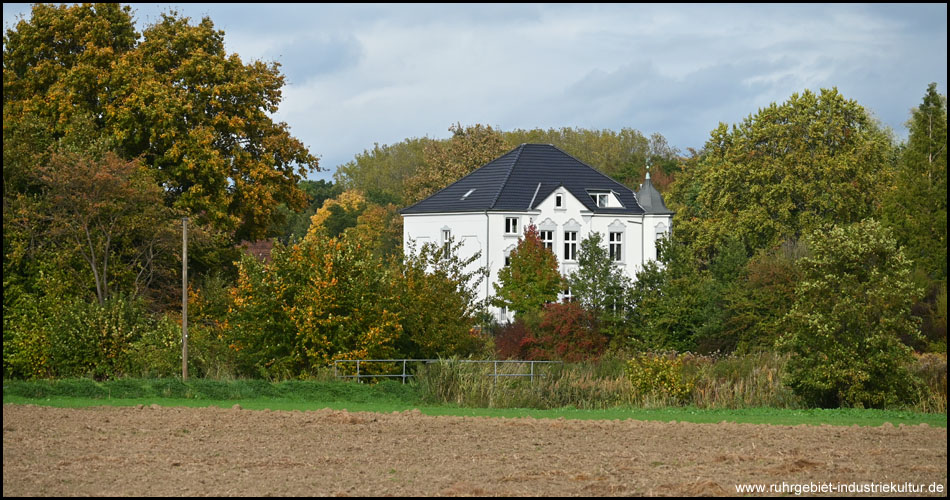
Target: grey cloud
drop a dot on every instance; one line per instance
(315, 55)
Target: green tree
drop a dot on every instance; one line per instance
(916, 207)
(781, 173)
(598, 285)
(383, 171)
(851, 309)
(668, 303)
(530, 280)
(439, 308)
(754, 305)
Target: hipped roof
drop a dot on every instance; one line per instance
(521, 179)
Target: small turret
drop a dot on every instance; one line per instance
(650, 199)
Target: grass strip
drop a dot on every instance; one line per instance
(389, 396)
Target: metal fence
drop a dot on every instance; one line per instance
(362, 363)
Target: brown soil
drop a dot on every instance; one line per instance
(211, 451)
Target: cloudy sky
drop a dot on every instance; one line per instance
(359, 74)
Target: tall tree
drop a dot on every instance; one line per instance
(916, 207)
(815, 159)
(198, 117)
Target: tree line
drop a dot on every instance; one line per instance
(805, 228)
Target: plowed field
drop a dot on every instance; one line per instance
(210, 451)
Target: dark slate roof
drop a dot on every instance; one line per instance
(650, 198)
(521, 179)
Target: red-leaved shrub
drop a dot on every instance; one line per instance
(567, 333)
(509, 339)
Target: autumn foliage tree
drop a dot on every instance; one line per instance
(447, 162)
(439, 308)
(317, 301)
(198, 117)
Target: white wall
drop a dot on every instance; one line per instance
(486, 231)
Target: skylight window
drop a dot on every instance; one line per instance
(470, 191)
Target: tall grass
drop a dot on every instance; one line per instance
(931, 369)
(746, 381)
(577, 385)
(717, 382)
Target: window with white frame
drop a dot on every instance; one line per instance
(600, 198)
(616, 246)
(558, 201)
(511, 225)
(567, 296)
(547, 239)
(446, 241)
(570, 245)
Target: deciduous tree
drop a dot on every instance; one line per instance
(531, 279)
(599, 285)
(198, 117)
(815, 159)
(851, 309)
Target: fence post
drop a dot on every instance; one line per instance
(532, 371)
(404, 372)
(357, 371)
(496, 372)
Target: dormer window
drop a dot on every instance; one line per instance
(601, 198)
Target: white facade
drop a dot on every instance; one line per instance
(561, 216)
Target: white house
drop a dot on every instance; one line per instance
(539, 184)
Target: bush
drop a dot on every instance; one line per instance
(69, 337)
(566, 332)
(660, 377)
(852, 307)
(510, 339)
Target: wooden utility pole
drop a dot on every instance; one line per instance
(184, 298)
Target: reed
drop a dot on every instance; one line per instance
(735, 381)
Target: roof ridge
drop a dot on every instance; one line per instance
(507, 176)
